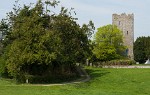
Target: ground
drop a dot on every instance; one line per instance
(104, 81)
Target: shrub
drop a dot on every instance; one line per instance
(115, 62)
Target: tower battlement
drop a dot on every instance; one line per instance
(124, 14)
(125, 22)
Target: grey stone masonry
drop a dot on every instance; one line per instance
(125, 22)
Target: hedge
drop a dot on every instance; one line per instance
(115, 63)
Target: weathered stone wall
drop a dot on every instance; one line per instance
(126, 24)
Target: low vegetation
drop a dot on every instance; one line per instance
(115, 63)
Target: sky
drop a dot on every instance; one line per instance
(100, 11)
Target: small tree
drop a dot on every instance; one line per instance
(108, 43)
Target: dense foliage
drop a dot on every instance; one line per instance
(108, 43)
(42, 43)
(142, 49)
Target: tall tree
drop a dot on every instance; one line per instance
(108, 43)
(41, 42)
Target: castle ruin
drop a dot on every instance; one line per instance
(126, 24)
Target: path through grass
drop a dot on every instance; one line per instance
(103, 82)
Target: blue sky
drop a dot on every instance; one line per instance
(100, 11)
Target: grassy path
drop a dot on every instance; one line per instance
(103, 82)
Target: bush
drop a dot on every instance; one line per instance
(115, 62)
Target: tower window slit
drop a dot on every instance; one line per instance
(119, 22)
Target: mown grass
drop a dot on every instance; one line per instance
(103, 82)
(142, 64)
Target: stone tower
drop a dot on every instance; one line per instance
(126, 23)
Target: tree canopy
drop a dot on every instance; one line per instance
(108, 42)
(41, 42)
(142, 49)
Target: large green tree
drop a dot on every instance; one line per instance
(142, 49)
(41, 42)
(108, 42)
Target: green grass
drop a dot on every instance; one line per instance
(141, 65)
(103, 82)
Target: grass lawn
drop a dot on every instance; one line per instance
(141, 65)
(103, 82)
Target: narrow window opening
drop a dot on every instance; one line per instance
(119, 22)
(127, 32)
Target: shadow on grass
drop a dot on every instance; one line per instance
(97, 73)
